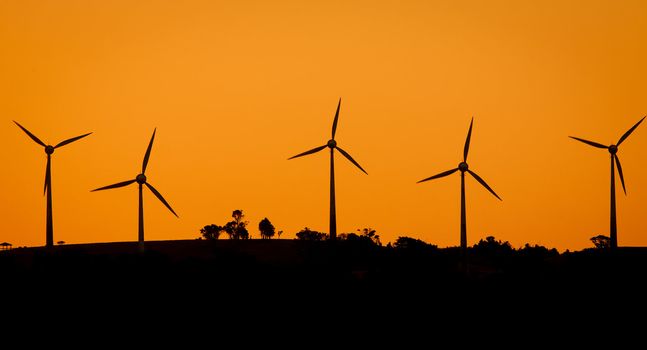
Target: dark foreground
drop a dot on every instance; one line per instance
(257, 280)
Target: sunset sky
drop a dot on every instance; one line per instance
(236, 87)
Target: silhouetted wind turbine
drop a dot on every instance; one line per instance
(613, 150)
(332, 144)
(141, 180)
(463, 167)
(49, 230)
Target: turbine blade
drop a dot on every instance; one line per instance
(148, 152)
(590, 143)
(351, 159)
(159, 196)
(443, 174)
(48, 175)
(117, 185)
(482, 182)
(629, 132)
(314, 150)
(334, 123)
(622, 178)
(467, 141)
(33, 137)
(61, 144)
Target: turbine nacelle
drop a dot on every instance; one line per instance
(49, 149)
(141, 179)
(332, 144)
(463, 167)
(613, 149)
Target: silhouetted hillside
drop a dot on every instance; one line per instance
(307, 277)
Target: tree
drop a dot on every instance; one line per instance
(491, 243)
(537, 251)
(211, 232)
(266, 228)
(493, 250)
(601, 242)
(308, 235)
(355, 239)
(404, 242)
(370, 234)
(365, 236)
(243, 233)
(279, 233)
(236, 229)
(230, 228)
(238, 217)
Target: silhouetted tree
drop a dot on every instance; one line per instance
(601, 242)
(365, 236)
(404, 242)
(490, 244)
(237, 228)
(531, 258)
(243, 233)
(370, 234)
(211, 231)
(492, 252)
(308, 235)
(60, 242)
(230, 228)
(537, 250)
(266, 228)
(238, 217)
(347, 236)
(355, 239)
(279, 233)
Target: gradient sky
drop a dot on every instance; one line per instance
(237, 87)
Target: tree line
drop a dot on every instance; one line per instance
(237, 229)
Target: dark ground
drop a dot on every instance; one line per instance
(256, 281)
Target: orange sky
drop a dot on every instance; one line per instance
(235, 88)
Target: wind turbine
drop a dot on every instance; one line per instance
(49, 230)
(613, 150)
(141, 180)
(463, 167)
(332, 144)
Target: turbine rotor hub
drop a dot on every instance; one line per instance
(141, 179)
(332, 143)
(613, 149)
(49, 149)
(463, 166)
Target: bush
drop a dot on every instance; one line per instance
(308, 235)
